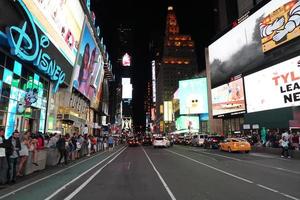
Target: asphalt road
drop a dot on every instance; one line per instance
(179, 172)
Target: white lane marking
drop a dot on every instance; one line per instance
(46, 177)
(211, 167)
(267, 188)
(249, 162)
(91, 178)
(289, 196)
(160, 177)
(287, 170)
(231, 158)
(240, 178)
(262, 155)
(128, 167)
(75, 179)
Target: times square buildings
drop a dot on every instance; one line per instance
(253, 71)
(54, 68)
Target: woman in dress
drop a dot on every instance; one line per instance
(24, 153)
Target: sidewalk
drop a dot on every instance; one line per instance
(276, 151)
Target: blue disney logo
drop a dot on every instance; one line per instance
(31, 49)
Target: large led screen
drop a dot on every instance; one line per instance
(275, 87)
(252, 44)
(87, 67)
(187, 122)
(228, 98)
(126, 88)
(61, 21)
(193, 96)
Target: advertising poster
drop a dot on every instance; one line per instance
(228, 98)
(126, 88)
(193, 96)
(87, 65)
(61, 21)
(187, 122)
(251, 44)
(275, 87)
(280, 26)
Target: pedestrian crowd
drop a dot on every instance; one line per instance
(15, 151)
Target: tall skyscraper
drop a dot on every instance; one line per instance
(178, 60)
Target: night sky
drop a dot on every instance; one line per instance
(148, 19)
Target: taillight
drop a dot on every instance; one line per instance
(215, 140)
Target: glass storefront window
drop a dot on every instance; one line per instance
(7, 76)
(17, 68)
(12, 107)
(3, 116)
(4, 103)
(14, 93)
(15, 81)
(1, 72)
(23, 83)
(9, 63)
(5, 89)
(2, 59)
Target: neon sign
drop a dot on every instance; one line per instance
(31, 49)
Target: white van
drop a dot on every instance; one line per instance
(198, 139)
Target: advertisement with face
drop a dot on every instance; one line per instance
(275, 87)
(193, 96)
(87, 66)
(228, 98)
(253, 43)
(61, 21)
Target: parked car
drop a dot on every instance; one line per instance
(198, 139)
(213, 141)
(160, 142)
(235, 144)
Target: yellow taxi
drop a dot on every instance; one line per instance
(235, 144)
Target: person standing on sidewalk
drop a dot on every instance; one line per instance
(13, 158)
(24, 153)
(3, 159)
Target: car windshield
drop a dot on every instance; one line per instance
(160, 138)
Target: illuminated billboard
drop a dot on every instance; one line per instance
(241, 50)
(87, 66)
(228, 98)
(153, 82)
(275, 87)
(62, 23)
(187, 122)
(126, 88)
(168, 111)
(193, 96)
(280, 26)
(126, 60)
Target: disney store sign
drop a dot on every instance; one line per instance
(31, 48)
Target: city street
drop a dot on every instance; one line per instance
(179, 172)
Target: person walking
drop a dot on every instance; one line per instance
(110, 143)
